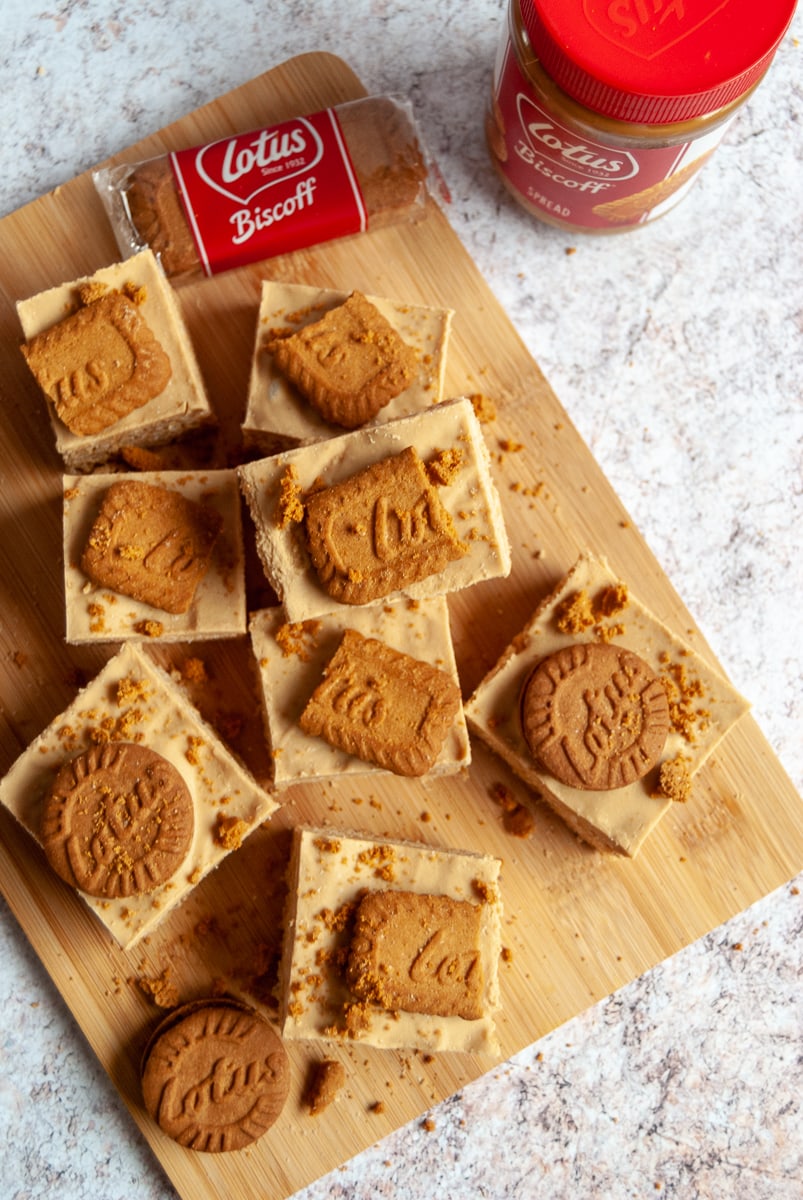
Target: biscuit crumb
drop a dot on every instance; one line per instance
(674, 780)
(484, 407)
(580, 612)
(298, 638)
(444, 466)
(290, 504)
(194, 671)
(90, 291)
(229, 831)
(328, 1077)
(161, 989)
(151, 629)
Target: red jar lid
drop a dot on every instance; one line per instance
(655, 62)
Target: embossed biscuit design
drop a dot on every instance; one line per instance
(349, 364)
(595, 715)
(396, 527)
(99, 364)
(215, 1076)
(117, 821)
(414, 930)
(379, 530)
(383, 706)
(417, 953)
(593, 605)
(151, 543)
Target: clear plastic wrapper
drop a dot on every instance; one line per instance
(344, 170)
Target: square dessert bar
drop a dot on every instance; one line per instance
(180, 403)
(366, 975)
(278, 416)
(160, 550)
(469, 530)
(592, 606)
(133, 701)
(291, 659)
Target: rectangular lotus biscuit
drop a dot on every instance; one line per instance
(278, 417)
(448, 440)
(382, 706)
(180, 404)
(158, 547)
(132, 700)
(330, 874)
(591, 605)
(418, 954)
(291, 659)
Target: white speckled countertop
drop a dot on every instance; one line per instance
(677, 353)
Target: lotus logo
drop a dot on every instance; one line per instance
(582, 156)
(649, 27)
(242, 167)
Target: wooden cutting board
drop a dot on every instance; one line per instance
(578, 924)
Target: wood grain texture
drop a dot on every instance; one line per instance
(579, 924)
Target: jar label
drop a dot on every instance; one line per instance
(268, 192)
(572, 178)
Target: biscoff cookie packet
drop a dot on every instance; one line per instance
(344, 170)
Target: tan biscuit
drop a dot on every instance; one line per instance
(388, 158)
(349, 364)
(595, 715)
(418, 953)
(117, 820)
(383, 706)
(215, 1076)
(99, 364)
(379, 530)
(156, 210)
(151, 543)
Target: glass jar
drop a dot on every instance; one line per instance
(603, 111)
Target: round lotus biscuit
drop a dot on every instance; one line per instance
(117, 821)
(215, 1076)
(595, 716)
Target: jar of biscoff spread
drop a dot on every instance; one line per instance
(603, 111)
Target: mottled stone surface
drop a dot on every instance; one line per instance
(676, 351)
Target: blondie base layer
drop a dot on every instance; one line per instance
(279, 417)
(591, 605)
(468, 496)
(329, 873)
(95, 612)
(134, 701)
(181, 406)
(291, 660)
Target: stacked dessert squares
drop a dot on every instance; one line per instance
(379, 503)
(372, 500)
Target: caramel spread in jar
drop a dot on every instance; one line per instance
(601, 115)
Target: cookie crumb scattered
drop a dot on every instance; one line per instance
(674, 780)
(229, 831)
(328, 1077)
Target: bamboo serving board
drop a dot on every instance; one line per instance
(579, 924)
